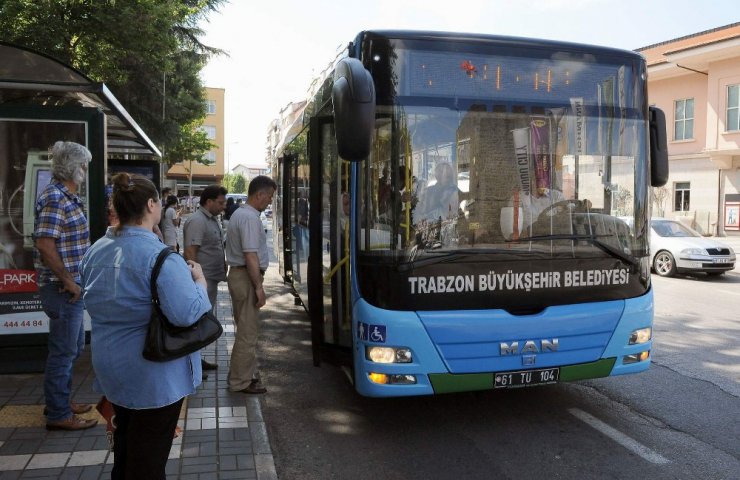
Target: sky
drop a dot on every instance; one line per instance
(275, 48)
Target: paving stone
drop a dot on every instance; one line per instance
(86, 458)
(172, 468)
(245, 462)
(227, 462)
(92, 443)
(209, 460)
(48, 460)
(14, 462)
(238, 475)
(241, 434)
(10, 447)
(92, 473)
(175, 451)
(53, 448)
(208, 449)
(28, 433)
(46, 473)
(189, 451)
(210, 402)
(199, 468)
(195, 401)
(71, 473)
(201, 413)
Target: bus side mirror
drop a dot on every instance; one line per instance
(353, 97)
(658, 148)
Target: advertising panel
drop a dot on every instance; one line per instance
(24, 172)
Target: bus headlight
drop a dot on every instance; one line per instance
(388, 354)
(642, 335)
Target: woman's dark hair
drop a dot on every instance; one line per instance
(171, 200)
(131, 193)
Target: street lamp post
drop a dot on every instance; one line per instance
(228, 156)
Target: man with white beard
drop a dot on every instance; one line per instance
(61, 237)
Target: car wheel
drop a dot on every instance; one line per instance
(664, 265)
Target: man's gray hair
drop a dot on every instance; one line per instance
(66, 157)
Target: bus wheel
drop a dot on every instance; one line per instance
(664, 265)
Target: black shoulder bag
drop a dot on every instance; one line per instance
(165, 341)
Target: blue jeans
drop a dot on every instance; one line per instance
(66, 342)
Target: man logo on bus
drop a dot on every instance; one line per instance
(362, 330)
(529, 346)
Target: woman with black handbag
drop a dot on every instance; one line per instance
(116, 271)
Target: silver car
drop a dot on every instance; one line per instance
(675, 247)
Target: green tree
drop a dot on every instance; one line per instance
(148, 52)
(240, 184)
(228, 181)
(235, 183)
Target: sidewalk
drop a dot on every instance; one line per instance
(224, 435)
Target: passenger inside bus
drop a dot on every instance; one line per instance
(441, 200)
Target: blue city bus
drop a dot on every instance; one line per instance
(450, 212)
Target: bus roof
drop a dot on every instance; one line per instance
(494, 39)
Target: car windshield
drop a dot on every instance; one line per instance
(668, 228)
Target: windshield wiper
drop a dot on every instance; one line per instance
(605, 247)
(438, 257)
(445, 256)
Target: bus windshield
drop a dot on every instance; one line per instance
(519, 153)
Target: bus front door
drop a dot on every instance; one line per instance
(329, 294)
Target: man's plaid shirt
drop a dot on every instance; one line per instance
(59, 215)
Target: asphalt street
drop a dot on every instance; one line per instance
(676, 421)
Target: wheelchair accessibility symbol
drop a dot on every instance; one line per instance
(376, 333)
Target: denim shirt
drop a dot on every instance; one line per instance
(116, 274)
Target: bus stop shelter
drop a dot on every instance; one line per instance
(43, 100)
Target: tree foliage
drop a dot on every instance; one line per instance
(148, 52)
(235, 183)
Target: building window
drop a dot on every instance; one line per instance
(210, 131)
(210, 157)
(733, 108)
(682, 197)
(683, 127)
(210, 107)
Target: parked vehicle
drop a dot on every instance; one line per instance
(676, 248)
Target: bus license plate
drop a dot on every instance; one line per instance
(526, 378)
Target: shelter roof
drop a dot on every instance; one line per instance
(28, 77)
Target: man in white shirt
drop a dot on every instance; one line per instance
(248, 258)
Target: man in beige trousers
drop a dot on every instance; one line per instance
(248, 258)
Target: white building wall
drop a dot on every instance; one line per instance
(704, 180)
